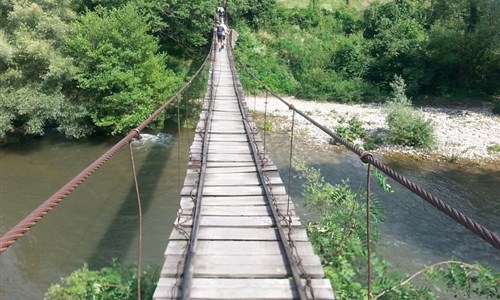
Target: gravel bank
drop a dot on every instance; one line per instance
(462, 133)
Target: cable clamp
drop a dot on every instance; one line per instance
(365, 157)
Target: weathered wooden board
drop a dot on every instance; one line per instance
(242, 234)
(224, 137)
(233, 210)
(238, 248)
(239, 179)
(236, 200)
(231, 169)
(187, 205)
(234, 191)
(248, 289)
(256, 266)
(229, 221)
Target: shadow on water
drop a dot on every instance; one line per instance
(121, 235)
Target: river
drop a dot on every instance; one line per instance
(98, 221)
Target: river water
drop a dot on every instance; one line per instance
(98, 221)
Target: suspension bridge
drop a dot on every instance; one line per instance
(237, 235)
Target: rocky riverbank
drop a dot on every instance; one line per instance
(463, 133)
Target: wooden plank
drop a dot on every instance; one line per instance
(233, 210)
(218, 180)
(216, 164)
(231, 221)
(241, 234)
(236, 200)
(238, 179)
(238, 248)
(230, 169)
(187, 205)
(240, 266)
(254, 266)
(245, 288)
(233, 191)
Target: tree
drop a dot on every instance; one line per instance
(396, 32)
(119, 69)
(463, 46)
(33, 70)
(255, 12)
(189, 24)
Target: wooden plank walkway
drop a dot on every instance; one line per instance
(238, 250)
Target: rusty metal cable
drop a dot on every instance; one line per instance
(368, 225)
(459, 217)
(139, 211)
(36, 215)
(290, 168)
(179, 144)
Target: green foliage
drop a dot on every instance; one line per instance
(268, 126)
(494, 148)
(187, 26)
(371, 142)
(407, 126)
(266, 66)
(28, 111)
(34, 71)
(396, 33)
(255, 12)
(462, 48)
(115, 282)
(339, 238)
(119, 69)
(350, 57)
(382, 180)
(352, 130)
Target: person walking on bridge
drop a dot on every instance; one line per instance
(220, 11)
(221, 34)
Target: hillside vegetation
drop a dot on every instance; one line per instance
(352, 50)
(94, 66)
(101, 66)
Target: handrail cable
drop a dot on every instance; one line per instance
(459, 217)
(36, 215)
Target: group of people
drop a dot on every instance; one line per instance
(221, 28)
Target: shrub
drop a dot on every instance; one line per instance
(351, 131)
(407, 126)
(116, 282)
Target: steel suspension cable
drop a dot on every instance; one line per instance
(459, 217)
(36, 215)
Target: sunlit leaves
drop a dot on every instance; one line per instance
(119, 67)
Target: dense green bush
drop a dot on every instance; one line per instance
(267, 67)
(116, 282)
(121, 73)
(351, 130)
(34, 71)
(407, 126)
